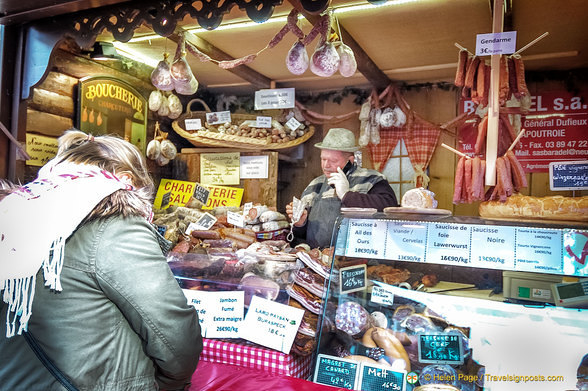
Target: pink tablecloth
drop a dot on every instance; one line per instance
(225, 377)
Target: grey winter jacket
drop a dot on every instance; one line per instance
(120, 323)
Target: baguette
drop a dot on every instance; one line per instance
(545, 208)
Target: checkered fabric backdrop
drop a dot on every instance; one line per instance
(421, 138)
(256, 357)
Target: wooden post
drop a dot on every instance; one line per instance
(494, 104)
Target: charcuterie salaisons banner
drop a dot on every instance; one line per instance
(555, 130)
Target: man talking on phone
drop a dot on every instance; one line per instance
(343, 184)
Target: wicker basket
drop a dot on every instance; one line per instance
(204, 138)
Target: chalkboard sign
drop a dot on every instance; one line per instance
(440, 348)
(352, 278)
(381, 378)
(568, 175)
(336, 371)
(165, 199)
(201, 194)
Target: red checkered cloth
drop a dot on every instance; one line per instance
(254, 356)
(421, 138)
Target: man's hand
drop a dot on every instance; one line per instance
(339, 180)
(290, 213)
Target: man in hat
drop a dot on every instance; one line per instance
(343, 184)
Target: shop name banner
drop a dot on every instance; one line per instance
(41, 149)
(223, 196)
(281, 98)
(540, 250)
(270, 324)
(219, 168)
(555, 130)
(172, 192)
(108, 105)
(220, 313)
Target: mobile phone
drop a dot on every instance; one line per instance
(345, 169)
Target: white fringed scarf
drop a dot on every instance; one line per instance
(35, 222)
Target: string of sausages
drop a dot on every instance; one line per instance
(473, 76)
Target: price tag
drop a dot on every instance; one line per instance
(280, 98)
(492, 247)
(263, 122)
(165, 199)
(539, 250)
(352, 278)
(381, 378)
(496, 43)
(448, 244)
(382, 294)
(201, 193)
(366, 238)
(225, 313)
(440, 349)
(405, 241)
(271, 324)
(336, 371)
(236, 219)
(193, 123)
(198, 300)
(205, 221)
(568, 175)
(293, 123)
(246, 207)
(161, 229)
(218, 117)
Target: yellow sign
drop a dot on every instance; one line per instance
(219, 168)
(223, 196)
(41, 149)
(172, 192)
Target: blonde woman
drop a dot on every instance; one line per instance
(84, 272)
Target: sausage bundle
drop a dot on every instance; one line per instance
(470, 174)
(473, 76)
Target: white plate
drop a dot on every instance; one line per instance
(426, 211)
(359, 211)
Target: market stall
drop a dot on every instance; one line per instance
(230, 139)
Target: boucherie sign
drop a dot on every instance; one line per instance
(556, 130)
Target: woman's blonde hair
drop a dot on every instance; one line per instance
(117, 156)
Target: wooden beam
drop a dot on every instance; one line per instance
(243, 71)
(365, 64)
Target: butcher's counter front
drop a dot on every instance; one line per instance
(462, 302)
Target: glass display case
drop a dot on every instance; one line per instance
(433, 302)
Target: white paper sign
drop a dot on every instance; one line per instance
(254, 167)
(236, 219)
(382, 294)
(198, 300)
(366, 238)
(492, 247)
(220, 313)
(225, 314)
(406, 241)
(281, 98)
(293, 123)
(449, 244)
(498, 43)
(219, 117)
(263, 122)
(539, 250)
(246, 207)
(193, 123)
(271, 324)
